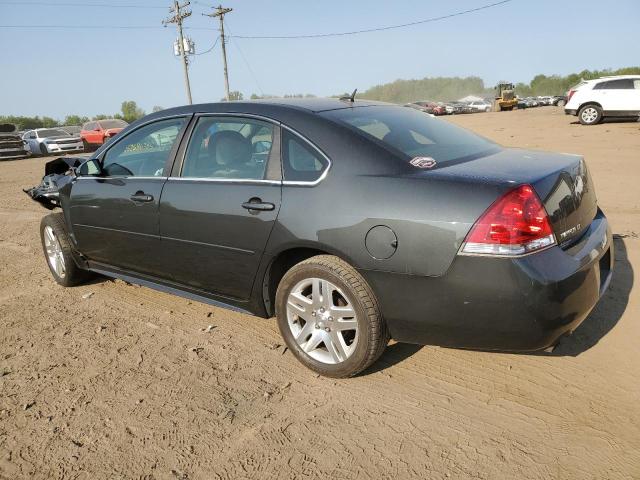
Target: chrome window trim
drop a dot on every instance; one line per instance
(226, 180)
(123, 177)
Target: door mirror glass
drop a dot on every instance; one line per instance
(90, 168)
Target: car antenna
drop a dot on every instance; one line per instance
(350, 98)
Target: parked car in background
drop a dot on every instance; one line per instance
(615, 96)
(351, 222)
(559, 100)
(11, 143)
(428, 107)
(72, 129)
(481, 106)
(98, 132)
(44, 141)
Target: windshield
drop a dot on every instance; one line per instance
(52, 132)
(105, 124)
(413, 133)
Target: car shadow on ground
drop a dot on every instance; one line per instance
(613, 120)
(607, 312)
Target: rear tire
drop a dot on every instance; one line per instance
(560, 103)
(590, 115)
(329, 317)
(57, 251)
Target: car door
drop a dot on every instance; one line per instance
(219, 207)
(114, 202)
(615, 96)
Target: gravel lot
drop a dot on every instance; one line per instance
(110, 380)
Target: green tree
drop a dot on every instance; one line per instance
(101, 116)
(157, 108)
(235, 95)
(130, 111)
(74, 120)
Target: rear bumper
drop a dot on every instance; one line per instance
(522, 304)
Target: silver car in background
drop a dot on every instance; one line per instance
(45, 141)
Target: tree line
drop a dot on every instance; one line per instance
(452, 88)
(399, 91)
(129, 112)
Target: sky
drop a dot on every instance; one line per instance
(89, 71)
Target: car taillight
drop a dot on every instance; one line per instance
(516, 224)
(570, 94)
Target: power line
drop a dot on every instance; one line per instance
(68, 4)
(378, 29)
(207, 51)
(272, 37)
(244, 59)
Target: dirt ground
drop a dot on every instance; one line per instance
(110, 380)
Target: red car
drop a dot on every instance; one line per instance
(428, 107)
(98, 132)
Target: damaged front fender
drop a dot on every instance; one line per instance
(58, 173)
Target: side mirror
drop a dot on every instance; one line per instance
(90, 168)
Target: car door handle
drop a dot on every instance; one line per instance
(259, 205)
(141, 197)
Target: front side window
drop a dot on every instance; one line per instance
(229, 148)
(300, 161)
(143, 152)
(412, 134)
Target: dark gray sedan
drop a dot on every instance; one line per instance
(352, 222)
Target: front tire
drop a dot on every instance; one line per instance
(44, 151)
(329, 317)
(57, 251)
(590, 115)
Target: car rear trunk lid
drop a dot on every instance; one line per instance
(562, 182)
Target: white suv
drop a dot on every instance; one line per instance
(592, 100)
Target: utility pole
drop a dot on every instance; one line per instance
(179, 15)
(220, 13)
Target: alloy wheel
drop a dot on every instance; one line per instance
(322, 320)
(55, 256)
(589, 115)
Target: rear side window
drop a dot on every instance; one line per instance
(300, 161)
(622, 84)
(410, 133)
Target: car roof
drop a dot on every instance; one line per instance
(309, 105)
(612, 77)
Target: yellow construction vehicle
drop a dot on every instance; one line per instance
(505, 98)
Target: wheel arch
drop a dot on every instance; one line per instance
(586, 104)
(283, 260)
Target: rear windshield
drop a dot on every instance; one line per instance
(413, 133)
(113, 124)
